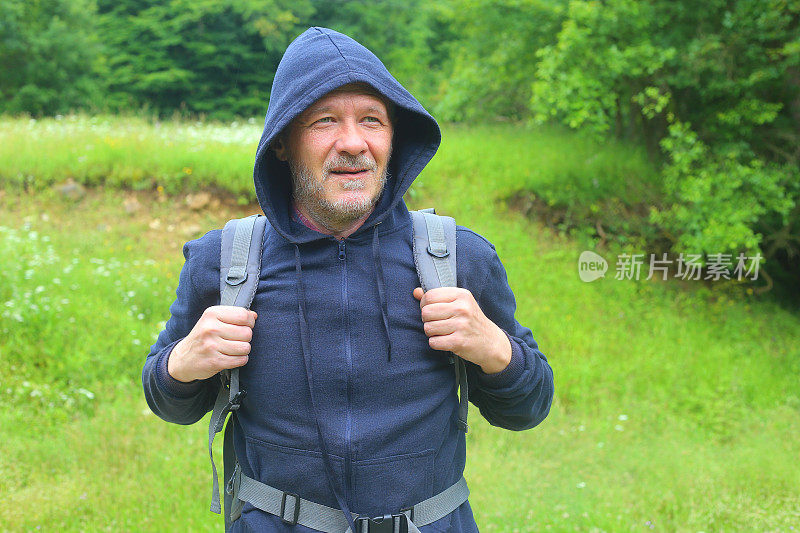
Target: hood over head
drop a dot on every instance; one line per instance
(315, 63)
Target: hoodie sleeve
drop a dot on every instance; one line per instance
(518, 397)
(198, 288)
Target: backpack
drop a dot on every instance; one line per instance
(434, 245)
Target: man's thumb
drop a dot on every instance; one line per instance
(419, 293)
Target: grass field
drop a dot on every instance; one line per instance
(677, 406)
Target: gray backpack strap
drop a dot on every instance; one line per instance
(434, 249)
(240, 268)
(435, 258)
(295, 510)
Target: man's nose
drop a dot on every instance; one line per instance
(351, 140)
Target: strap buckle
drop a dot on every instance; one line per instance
(384, 524)
(233, 483)
(236, 401)
(295, 513)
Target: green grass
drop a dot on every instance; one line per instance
(676, 406)
(129, 152)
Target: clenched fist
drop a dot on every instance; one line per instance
(220, 340)
(454, 322)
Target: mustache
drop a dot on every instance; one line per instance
(349, 161)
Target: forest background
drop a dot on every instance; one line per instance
(663, 128)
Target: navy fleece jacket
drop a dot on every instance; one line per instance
(389, 424)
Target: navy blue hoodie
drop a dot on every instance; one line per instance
(388, 419)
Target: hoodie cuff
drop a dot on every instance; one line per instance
(170, 385)
(509, 374)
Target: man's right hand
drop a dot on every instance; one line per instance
(220, 340)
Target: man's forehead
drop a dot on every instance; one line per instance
(369, 99)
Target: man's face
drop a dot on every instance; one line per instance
(338, 150)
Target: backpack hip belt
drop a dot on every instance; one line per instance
(295, 510)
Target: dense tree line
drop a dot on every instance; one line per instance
(712, 89)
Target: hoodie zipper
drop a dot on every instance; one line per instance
(349, 357)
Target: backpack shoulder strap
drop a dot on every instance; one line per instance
(434, 249)
(240, 266)
(434, 245)
(240, 260)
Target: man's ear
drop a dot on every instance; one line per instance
(278, 145)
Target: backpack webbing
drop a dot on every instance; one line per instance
(435, 259)
(240, 267)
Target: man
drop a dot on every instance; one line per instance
(351, 400)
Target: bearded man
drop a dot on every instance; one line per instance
(351, 418)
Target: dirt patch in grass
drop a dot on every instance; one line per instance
(153, 222)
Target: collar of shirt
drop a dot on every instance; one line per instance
(301, 218)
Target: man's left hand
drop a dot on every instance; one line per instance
(454, 322)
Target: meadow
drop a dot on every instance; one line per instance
(677, 405)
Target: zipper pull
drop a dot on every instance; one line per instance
(342, 255)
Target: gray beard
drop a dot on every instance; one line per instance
(336, 215)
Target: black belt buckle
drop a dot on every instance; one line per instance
(382, 524)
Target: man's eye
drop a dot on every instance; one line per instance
(372, 119)
(324, 120)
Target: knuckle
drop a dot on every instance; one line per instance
(458, 343)
(437, 343)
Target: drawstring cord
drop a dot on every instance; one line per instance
(306, 347)
(376, 257)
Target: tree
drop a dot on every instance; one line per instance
(201, 56)
(714, 87)
(49, 56)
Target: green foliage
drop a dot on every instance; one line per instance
(493, 56)
(206, 57)
(721, 199)
(409, 36)
(48, 55)
(604, 56)
(712, 90)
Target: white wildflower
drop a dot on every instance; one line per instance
(87, 393)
